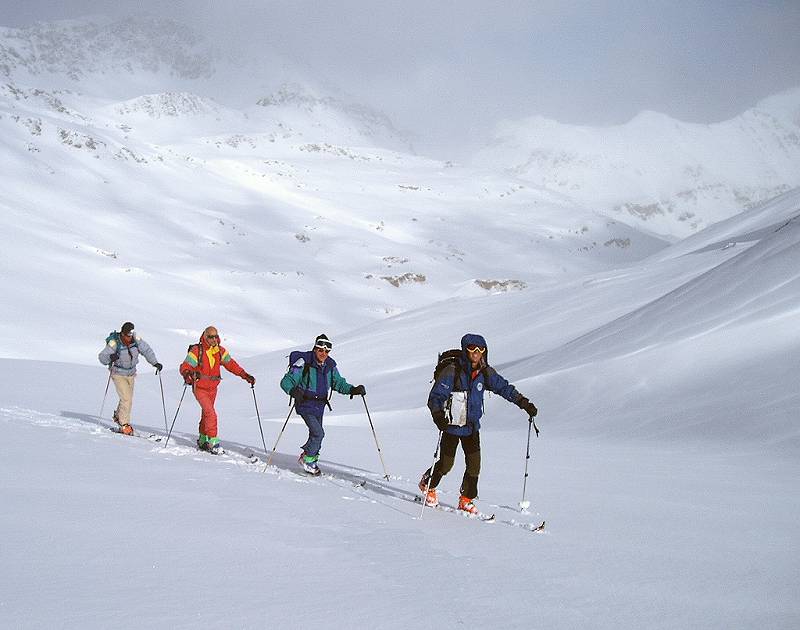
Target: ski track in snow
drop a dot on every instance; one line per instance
(360, 485)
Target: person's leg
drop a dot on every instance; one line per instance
(315, 434)
(447, 457)
(208, 415)
(472, 457)
(124, 387)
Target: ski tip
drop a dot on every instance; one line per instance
(539, 528)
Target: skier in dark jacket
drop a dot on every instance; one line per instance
(311, 375)
(456, 404)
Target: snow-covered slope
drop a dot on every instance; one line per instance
(670, 177)
(665, 375)
(666, 469)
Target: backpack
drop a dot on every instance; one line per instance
(453, 357)
(115, 336)
(445, 359)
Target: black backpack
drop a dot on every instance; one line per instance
(454, 357)
(445, 359)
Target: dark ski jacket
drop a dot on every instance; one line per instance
(312, 381)
(486, 378)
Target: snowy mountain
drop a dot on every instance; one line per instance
(664, 369)
(290, 194)
(665, 176)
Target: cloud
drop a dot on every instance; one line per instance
(450, 69)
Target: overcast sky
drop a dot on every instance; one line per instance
(450, 69)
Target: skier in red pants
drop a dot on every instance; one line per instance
(201, 370)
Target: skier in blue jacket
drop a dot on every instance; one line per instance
(456, 404)
(310, 377)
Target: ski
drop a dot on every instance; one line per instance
(478, 516)
(152, 437)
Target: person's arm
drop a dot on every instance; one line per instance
(339, 383)
(147, 352)
(188, 369)
(439, 394)
(502, 387)
(291, 379)
(234, 368)
(109, 354)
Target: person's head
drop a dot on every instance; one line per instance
(475, 348)
(211, 336)
(322, 347)
(126, 333)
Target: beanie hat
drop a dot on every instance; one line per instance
(127, 328)
(322, 341)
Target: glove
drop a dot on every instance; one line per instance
(527, 406)
(158, 367)
(358, 390)
(249, 378)
(114, 357)
(440, 419)
(297, 394)
(188, 378)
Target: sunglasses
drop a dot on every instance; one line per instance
(325, 349)
(212, 336)
(474, 348)
(127, 334)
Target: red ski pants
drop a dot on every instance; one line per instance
(208, 415)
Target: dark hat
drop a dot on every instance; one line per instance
(322, 341)
(127, 328)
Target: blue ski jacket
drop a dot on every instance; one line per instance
(461, 378)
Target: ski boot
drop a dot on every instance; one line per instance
(465, 504)
(428, 494)
(210, 445)
(309, 464)
(431, 497)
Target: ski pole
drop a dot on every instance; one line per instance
(372, 426)
(524, 505)
(433, 463)
(163, 403)
(269, 459)
(253, 388)
(108, 382)
(176, 416)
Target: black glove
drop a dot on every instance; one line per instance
(527, 406)
(440, 419)
(357, 390)
(297, 394)
(114, 357)
(158, 367)
(249, 378)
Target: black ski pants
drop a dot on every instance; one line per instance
(471, 445)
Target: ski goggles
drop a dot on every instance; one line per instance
(324, 345)
(474, 348)
(325, 349)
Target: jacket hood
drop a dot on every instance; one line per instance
(471, 339)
